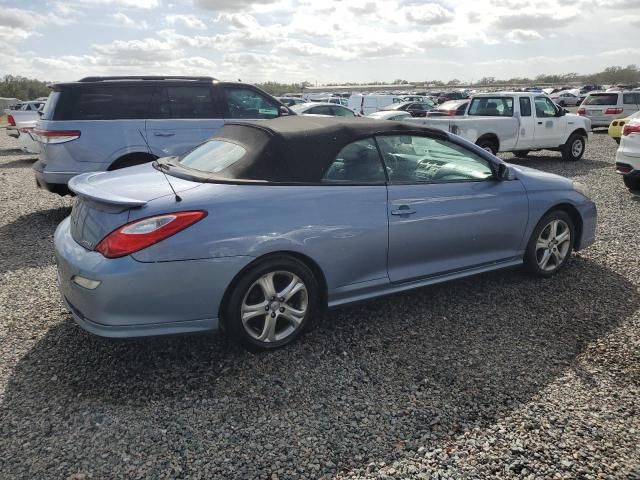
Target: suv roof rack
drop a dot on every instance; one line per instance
(147, 77)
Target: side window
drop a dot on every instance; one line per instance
(630, 98)
(544, 107)
(341, 112)
(109, 103)
(321, 110)
(358, 162)
(525, 107)
(190, 102)
(247, 103)
(491, 107)
(413, 159)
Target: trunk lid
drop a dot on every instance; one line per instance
(104, 199)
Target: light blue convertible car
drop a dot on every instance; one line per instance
(267, 223)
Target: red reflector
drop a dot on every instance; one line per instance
(11, 120)
(623, 168)
(614, 111)
(145, 232)
(55, 136)
(630, 128)
(582, 111)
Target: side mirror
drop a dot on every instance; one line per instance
(561, 112)
(283, 111)
(503, 172)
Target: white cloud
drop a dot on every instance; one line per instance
(619, 3)
(534, 20)
(16, 18)
(134, 52)
(428, 14)
(122, 19)
(188, 21)
(522, 36)
(230, 5)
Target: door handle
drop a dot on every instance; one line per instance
(539, 123)
(403, 210)
(163, 134)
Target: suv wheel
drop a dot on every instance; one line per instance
(272, 304)
(574, 148)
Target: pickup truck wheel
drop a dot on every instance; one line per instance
(521, 153)
(488, 145)
(574, 148)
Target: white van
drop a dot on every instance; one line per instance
(366, 104)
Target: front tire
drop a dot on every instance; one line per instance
(632, 183)
(550, 245)
(272, 304)
(489, 146)
(573, 150)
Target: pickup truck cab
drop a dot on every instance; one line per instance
(517, 122)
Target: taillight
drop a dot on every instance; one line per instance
(582, 111)
(55, 136)
(143, 233)
(11, 120)
(614, 111)
(630, 128)
(451, 113)
(623, 168)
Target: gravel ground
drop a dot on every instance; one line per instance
(498, 376)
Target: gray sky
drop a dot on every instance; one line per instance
(319, 41)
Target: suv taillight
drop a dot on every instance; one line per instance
(582, 111)
(614, 111)
(11, 121)
(630, 128)
(55, 136)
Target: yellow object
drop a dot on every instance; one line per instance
(615, 128)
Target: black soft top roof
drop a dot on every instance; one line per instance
(299, 149)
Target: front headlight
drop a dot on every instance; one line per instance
(581, 188)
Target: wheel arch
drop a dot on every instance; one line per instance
(305, 259)
(579, 131)
(573, 212)
(127, 157)
(492, 137)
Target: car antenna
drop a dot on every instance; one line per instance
(161, 168)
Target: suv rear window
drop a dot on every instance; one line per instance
(601, 99)
(102, 103)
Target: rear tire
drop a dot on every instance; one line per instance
(573, 150)
(521, 153)
(549, 248)
(262, 313)
(632, 183)
(488, 145)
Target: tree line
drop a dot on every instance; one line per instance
(23, 88)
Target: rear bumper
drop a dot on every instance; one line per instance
(53, 182)
(633, 162)
(141, 299)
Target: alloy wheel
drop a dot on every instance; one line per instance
(577, 147)
(274, 306)
(553, 245)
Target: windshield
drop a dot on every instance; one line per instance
(602, 99)
(213, 156)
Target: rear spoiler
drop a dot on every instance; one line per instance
(81, 185)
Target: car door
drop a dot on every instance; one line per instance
(527, 125)
(447, 211)
(182, 117)
(549, 128)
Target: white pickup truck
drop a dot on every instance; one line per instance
(517, 122)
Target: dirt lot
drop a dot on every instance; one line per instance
(497, 376)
